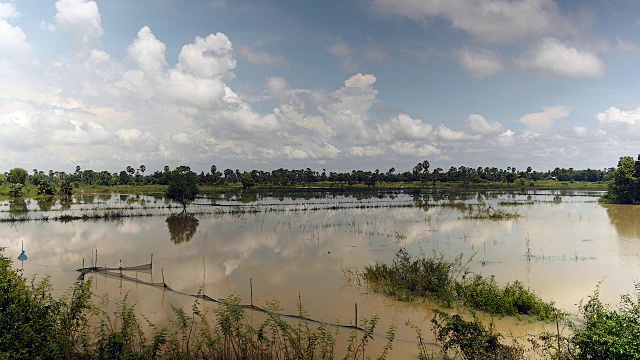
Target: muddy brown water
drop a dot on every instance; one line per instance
(294, 245)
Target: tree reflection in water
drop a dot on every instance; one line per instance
(46, 203)
(18, 207)
(182, 227)
(625, 219)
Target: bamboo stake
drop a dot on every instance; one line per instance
(356, 314)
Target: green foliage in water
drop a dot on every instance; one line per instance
(484, 293)
(407, 279)
(625, 186)
(436, 279)
(471, 339)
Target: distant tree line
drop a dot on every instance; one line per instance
(421, 173)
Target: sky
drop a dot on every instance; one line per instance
(335, 85)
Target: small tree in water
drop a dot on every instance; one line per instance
(625, 186)
(183, 186)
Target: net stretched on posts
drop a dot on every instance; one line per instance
(116, 273)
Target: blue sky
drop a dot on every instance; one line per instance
(323, 84)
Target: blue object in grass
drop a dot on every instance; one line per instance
(22, 256)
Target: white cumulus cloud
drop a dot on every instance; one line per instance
(211, 57)
(477, 124)
(79, 16)
(12, 38)
(553, 58)
(614, 115)
(542, 121)
(403, 127)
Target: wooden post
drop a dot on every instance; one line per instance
(97, 258)
(152, 261)
(251, 287)
(356, 314)
(163, 283)
(83, 265)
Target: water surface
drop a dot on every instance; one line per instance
(294, 245)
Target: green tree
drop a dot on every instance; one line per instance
(38, 179)
(18, 176)
(124, 178)
(65, 188)
(183, 186)
(16, 190)
(247, 180)
(46, 188)
(624, 187)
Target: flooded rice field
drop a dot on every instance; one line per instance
(294, 246)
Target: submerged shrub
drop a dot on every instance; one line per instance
(484, 293)
(436, 279)
(472, 340)
(406, 278)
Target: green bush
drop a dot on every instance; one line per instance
(484, 293)
(407, 279)
(607, 333)
(472, 340)
(35, 325)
